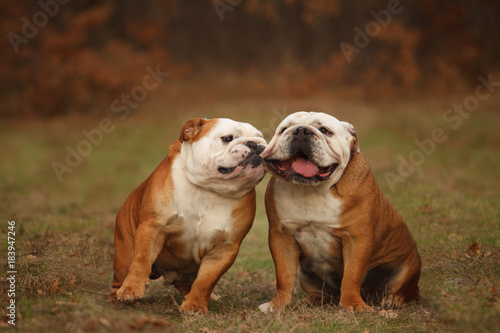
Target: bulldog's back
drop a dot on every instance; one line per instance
(143, 200)
(365, 206)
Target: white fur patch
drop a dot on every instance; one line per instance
(300, 206)
(203, 213)
(203, 158)
(266, 307)
(326, 149)
(309, 215)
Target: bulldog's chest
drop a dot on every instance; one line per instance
(205, 226)
(310, 217)
(301, 206)
(205, 217)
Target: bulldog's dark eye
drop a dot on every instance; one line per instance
(325, 131)
(227, 138)
(283, 129)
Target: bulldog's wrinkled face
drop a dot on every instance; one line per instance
(311, 148)
(222, 155)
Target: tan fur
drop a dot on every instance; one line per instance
(148, 246)
(372, 235)
(221, 257)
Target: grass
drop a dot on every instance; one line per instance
(64, 230)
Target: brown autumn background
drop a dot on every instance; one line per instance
(255, 61)
(93, 50)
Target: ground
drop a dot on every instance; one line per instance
(447, 188)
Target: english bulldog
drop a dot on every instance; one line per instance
(186, 221)
(329, 223)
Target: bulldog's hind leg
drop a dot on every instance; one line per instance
(148, 242)
(319, 292)
(183, 285)
(123, 257)
(403, 287)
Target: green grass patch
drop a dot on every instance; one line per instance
(64, 240)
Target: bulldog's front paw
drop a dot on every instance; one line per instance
(352, 305)
(273, 306)
(393, 301)
(278, 303)
(131, 291)
(266, 307)
(192, 307)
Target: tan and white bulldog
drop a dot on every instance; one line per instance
(329, 223)
(186, 221)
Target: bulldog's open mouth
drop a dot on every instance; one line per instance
(300, 165)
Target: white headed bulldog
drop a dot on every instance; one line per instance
(310, 149)
(329, 222)
(186, 221)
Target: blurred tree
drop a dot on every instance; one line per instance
(90, 51)
(76, 54)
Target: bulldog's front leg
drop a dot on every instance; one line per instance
(285, 252)
(149, 240)
(213, 265)
(356, 252)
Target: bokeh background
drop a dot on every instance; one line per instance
(91, 51)
(92, 92)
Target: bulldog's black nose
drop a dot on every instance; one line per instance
(302, 131)
(251, 145)
(255, 147)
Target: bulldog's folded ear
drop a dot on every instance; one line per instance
(191, 129)
(354, 142)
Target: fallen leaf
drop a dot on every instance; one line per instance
(161, 323)
(243, 274)
(493, 294)
(427, 209)
(138, 324)
(54, 287)
(445, 219)
(474, 248)
(207, 330)
(104, 322)
(141, 323)
(73, 282)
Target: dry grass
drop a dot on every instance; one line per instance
(64, 230)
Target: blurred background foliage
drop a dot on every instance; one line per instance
(91, 51)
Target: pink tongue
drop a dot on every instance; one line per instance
(305, 168)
